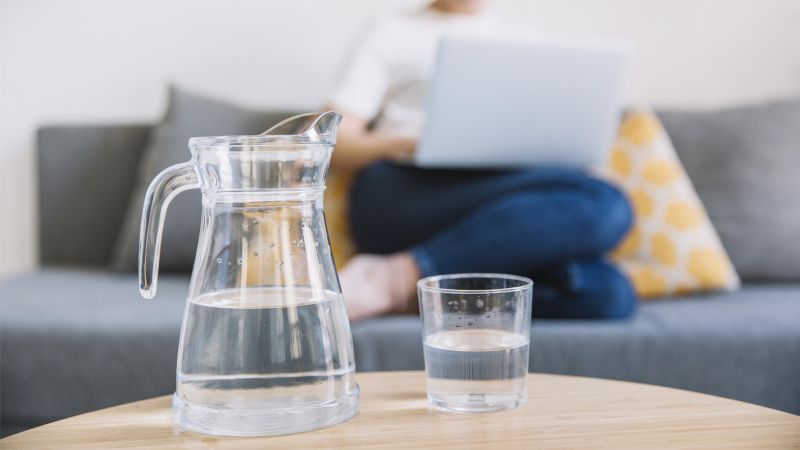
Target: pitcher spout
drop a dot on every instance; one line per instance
(313, 127)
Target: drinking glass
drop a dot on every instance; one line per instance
(476, 335)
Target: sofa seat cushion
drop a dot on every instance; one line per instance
(743, 345)
(73, 341)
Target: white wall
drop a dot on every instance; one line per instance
(90, 61)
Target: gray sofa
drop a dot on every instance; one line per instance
(75, 336)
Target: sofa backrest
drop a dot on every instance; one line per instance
(742, 161)
(86, 174)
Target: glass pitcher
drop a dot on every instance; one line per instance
(265, 346)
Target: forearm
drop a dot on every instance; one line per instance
(356, 152)
(358, 147)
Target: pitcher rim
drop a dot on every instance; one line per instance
(257, 140)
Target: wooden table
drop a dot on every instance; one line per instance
(562, 412)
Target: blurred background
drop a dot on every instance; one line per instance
(93, 61)
(95, 75)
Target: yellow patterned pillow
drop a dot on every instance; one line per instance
(672, 248)
(337, 195)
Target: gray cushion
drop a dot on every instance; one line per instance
(73, 341)
(745, 164)
(187, 115)
(85, 179)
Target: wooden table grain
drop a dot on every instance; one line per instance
(562, 412)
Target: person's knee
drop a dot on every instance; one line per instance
(613, 216)
(613, 293)
(620, 303)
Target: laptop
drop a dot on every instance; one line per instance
(494, 104)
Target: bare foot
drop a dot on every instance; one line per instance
(378, 284)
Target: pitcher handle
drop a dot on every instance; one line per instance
(165, 186)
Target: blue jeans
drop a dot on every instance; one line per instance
(551, 224)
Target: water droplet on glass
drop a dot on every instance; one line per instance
(469, 324)
(316, 243)
(272, 244)
(255, 253)
(301, 244)
(239, 261)
(219, 260)
(479, 303)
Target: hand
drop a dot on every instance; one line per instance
(399, 148)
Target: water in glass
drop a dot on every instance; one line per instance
(479, 369)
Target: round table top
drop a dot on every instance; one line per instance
(562, 411)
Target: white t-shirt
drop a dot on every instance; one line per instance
(387, 78)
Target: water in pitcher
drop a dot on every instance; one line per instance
(262, 350)
(476, 370)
